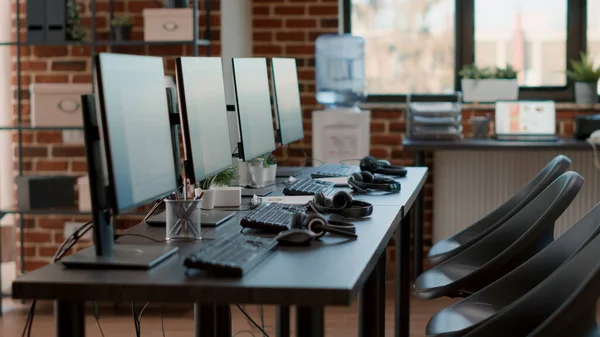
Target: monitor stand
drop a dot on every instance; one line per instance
(125, 256)
(289, 171)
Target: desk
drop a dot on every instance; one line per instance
(419, 147)
(333, 271)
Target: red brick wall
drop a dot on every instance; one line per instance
(44, 152)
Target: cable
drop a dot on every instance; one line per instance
(261, 314)
(162, 321)
(99, 326)
(141, 313)
(136, 324)
(244, 331)
(138, 235)
(251, 320)
(97, 317)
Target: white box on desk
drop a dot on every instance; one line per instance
(168, 24)
(340, 134)
(228, 196)
(56, 104)
(84, 196)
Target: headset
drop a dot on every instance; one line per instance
(371, 164)
(364, 181)
(317, 224)
(342, 204)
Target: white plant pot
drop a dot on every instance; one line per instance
(208, 198)
(270, 173)
(489, 90)
(586, 93)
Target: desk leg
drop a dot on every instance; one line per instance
(381, 294)
(309, 322)
(223, 321)
(204, 320)
(69, 318)
(368, 311)
(419, 219)
(282, 321)
(402, 312)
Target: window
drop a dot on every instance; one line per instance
(409, 44)
(531, 35)
(593, 31)
(419, 46)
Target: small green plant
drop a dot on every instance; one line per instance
(269, 160)
(583, 70)
(471, 71)
(73, 22)
(122, 20)
(221, 179)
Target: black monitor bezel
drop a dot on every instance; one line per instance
(276, 99)
(241, 152)
(111, 193)
(185, 129)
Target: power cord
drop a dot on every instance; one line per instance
(253, 322)
(138, 235)
(62, 250)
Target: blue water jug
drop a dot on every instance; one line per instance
(340, 70)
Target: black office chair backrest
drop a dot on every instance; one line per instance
(564, 300)
(522, 236)
(472, 311)
(500, 215)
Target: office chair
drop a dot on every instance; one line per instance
(449, 247)
(564, 304)
(472, 311)
(522, 236)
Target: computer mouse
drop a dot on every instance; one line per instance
(295, 237)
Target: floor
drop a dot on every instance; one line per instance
(117, 322)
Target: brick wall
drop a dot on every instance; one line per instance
(44, 152)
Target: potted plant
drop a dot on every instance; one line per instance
(73, 22)
(489, 85)
(206, 186)
(586, 79)
(121, 28)
(270, 165)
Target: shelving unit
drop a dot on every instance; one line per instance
(196, 42)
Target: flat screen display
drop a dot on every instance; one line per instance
(253, 105)
(204, 115)
(287, 99)
(135, 128)
(525, 118)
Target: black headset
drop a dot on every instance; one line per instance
(317, 224)
(371, 164)
(342, 204)
(363, 182)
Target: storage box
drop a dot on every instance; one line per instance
(168, 24)
(228, 196)
(57, 105)
(38, 192)
(84, 197)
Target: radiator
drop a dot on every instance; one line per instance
(470, 184)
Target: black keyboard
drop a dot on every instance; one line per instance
(233, 255)
(272, 218)
(308, 187)
(334, 170)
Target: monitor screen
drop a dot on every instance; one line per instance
(253, 105)
(203, 115)
(525, 118)
(135, 128)
(287, 100)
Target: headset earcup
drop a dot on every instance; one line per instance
(342, 199)
(368, 163)
(315, 224)
(367, 177)
(357, 176)
(384, 164)
(297, 220)
(320, 199)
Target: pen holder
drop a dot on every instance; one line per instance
(183, 219)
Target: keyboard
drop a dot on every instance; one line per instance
(335, 170)
(272, 218)
(308, 187)
(233, 255)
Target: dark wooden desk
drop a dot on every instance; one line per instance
(333, 271)
(419, 147)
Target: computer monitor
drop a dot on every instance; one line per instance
(287, 100)
(129, 151)
(253, 105)
(525, 119)
(203, 116)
